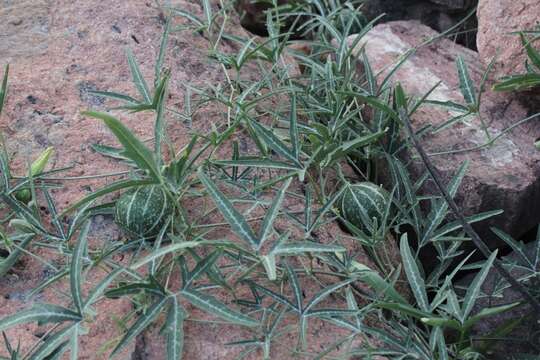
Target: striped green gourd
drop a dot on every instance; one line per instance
(143, 211)
(362, 202)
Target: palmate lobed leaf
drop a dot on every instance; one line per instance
(215, 307)
(237, 222)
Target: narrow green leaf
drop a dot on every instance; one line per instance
(516, 247)
(272, 213)
(486, 312)
(267, 164)
(174, 330)
(405, 309)
(375, 281)
(75, 274)
(533, 54)
(115, 96)
(416, 281)
(162, 51)
(74, 343)
(13, 256)
(161, 95)
(22, 210)
(135, 288)
(3, 88)
(456, 225)
(277, 297)
(213, 306)
(295, 285)
(269, 263)
(273, 142)
(134, 149)
(473, 291)
(465, 83)
(302, 247)
(293, 129)
(119, 185)
(101, 287)
(370, 77)
(351, 145)
(518, 82)
(142, 322)
(188, 15)
(208, 13)
(203, 266)
(449, 105)
(321, 295)
(237, 222)
(400, 98)
(137, 77)
(41, 313)
(323, 211)
(176, 247)
(438, 321)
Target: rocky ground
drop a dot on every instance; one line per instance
(60, 50)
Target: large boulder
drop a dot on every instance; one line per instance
(496, 22)
(503, 176)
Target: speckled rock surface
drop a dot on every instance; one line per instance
(496, 21)
(504, 176)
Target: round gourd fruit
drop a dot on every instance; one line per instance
(143, 211)
(363, 202)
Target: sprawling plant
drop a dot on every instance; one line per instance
(313, 136)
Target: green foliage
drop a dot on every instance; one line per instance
(256, 255)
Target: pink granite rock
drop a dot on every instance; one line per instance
(496, 21)
(504, 176)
